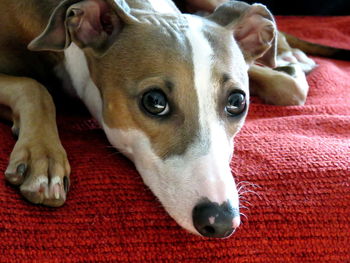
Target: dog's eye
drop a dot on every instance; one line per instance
(236, 103)
(155, 103)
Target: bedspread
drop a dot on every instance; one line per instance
(293, 164)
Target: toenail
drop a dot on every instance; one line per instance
(21, 169)
(56, 190)
(66, 184)
(15, 132)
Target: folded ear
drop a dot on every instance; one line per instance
(88, 23)
(253, 27)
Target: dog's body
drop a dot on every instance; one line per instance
(170, 91)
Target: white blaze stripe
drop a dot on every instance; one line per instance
(77, 67)
(221, 149)
(202, 62)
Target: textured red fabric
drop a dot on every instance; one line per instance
(292, 161)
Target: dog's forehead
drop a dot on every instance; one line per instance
(157, 45)
(161, 36)
(227, 56)
(168, 28)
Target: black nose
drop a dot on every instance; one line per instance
(214, 220)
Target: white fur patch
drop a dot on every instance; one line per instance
(55, 180)
(35, 183)
(202, 62)
(221, 146)
(77, 67)
(296, 57)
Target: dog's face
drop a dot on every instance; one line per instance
(176, 112)
(174, 93)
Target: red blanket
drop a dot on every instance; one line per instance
(293, 162)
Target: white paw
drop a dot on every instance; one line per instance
(298, 57)
(41, 169)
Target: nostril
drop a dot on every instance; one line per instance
(209, 229)
(216, 231)
(213, 220)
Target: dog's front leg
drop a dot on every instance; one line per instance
(284, 86)
(38, 162)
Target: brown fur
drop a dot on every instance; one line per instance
(28, 104)
(38, 145)
(170, 73)
(16, 33)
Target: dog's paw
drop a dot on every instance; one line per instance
(296, 56)
(41, 169)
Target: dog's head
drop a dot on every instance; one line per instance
(173, 93)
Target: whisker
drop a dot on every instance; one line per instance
(246, 183)
(243, 206)
(246, 218)
(250, 192)
(240, 188)
(246, 202)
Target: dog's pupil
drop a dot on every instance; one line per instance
(154, 102)
(236, 103)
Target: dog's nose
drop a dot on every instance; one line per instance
(214, 220)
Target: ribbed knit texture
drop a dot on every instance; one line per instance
(292, 161)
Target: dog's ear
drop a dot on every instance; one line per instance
(254, 29)
(88, 23)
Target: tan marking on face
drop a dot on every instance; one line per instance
(148, 56)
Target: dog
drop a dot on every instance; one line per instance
(170, 91)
